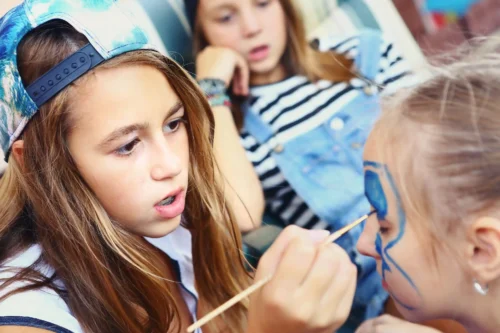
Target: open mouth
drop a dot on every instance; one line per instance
(173, 205)
(259, 53)
(167, 201)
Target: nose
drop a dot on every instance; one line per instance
(366, 241)
(251, 24)
(165, 162)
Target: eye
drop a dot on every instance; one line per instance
(128, 149)
(263, 3)
(173, 125)
(224, 19)
(384, 226)
(383, 230)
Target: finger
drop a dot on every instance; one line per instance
(391, 328)
(388, 319)
(295, 264)
(269, 261)
(344, 306)
(366, 327)
(237, 91)
(321, 275)
(339, 296)
(387, 324)
(243, 76)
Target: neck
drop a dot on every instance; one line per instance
(481, 314)
(275, 75)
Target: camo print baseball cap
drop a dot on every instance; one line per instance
(108, 25)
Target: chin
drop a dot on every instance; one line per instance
(414, 315)
(264, 67)
(158, 229)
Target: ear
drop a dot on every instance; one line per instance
(483, 249)
(17, 152)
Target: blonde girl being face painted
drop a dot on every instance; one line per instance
(431, 173)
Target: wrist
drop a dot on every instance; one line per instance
(215, 91)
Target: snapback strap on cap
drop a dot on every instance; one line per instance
(63, 74)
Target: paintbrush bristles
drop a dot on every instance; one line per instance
(265, 280)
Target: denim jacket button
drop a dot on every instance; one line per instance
(337, 124)
(370, 90)
(278, 148)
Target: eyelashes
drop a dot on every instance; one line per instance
(169, 128)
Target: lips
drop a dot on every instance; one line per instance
(172, 205)
(385, 285)
(259, 53)
(172, 194)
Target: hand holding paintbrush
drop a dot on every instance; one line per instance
(306, 284)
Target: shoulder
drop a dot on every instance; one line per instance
(46, 310)
(351, 45)
(377, 58)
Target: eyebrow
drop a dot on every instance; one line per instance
(122, 131)
(221, 6)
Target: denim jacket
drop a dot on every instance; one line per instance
(325, 167)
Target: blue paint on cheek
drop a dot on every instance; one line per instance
(377, 198)
(375, 193)
(378, 245)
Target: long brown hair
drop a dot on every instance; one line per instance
(300, 58)
(443, 136)
(113, 280)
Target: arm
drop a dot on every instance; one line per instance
(242, 186)
(243, 189)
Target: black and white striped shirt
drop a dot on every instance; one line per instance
(295, 106)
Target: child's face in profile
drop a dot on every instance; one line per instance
(130, 144)
(419, 285)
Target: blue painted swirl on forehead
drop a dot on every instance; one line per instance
(375, 193)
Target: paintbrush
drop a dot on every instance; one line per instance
(331, 238)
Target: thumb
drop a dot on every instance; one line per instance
(271, 258)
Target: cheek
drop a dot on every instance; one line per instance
(115, 182)
(116, 187)
(183, 149)
(223, 36)
(275, 24)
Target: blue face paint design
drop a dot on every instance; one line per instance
(377, 198)
(378, 245)
(375, 194)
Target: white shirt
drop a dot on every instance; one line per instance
(44, 308)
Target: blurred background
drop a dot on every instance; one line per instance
(435, 25)
(419, 28)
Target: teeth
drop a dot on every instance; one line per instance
(167, 201)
